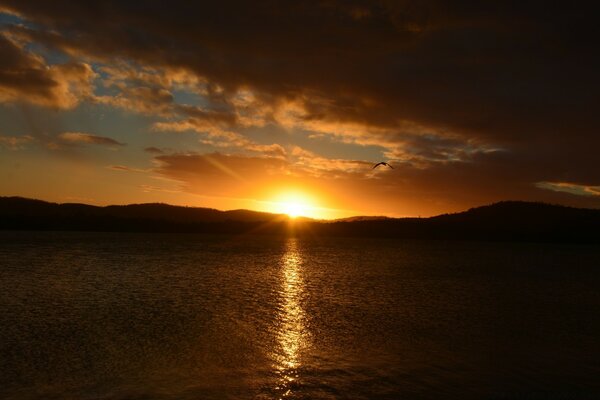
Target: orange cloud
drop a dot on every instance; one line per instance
(26, 78)
(144, 100)
(15, 142)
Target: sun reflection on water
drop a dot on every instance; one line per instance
(293, 335)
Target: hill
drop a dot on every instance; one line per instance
(505, 221)
(508, 221)
(17, 213)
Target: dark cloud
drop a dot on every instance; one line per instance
(504, 94)
(468, 66)
(25, 77)
(22, 72)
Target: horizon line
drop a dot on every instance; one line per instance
(299, 216)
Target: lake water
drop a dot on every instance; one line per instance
(152, 316)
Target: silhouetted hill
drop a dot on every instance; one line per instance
(361, 218)
(508, 220)
(28, 214)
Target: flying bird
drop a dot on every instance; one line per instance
(382, 163)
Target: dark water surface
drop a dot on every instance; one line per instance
(137, 316)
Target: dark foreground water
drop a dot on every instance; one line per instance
(136, 316)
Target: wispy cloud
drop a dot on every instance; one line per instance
(15, 142)
(126, 168)
(153, 150)
(572, 188)
(87, 138)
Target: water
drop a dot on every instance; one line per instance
(137, 316)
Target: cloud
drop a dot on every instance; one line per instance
(144, 100)
(579, 190)
(15, 142)
(152, 188)
(86, 138)
(472, 69)
(217, 131)
(305, 162)
(125, 168)
(153, 150)
(26, 78)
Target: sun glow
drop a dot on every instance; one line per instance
(294, 204)
(299, 202)
(294, 209)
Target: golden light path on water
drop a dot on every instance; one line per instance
(293, 335)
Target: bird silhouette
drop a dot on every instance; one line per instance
(382, 163)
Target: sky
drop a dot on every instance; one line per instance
(285, 106)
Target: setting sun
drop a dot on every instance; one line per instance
(294, 209)
(294, 204)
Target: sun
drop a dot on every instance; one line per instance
(298, 202)
(294, 204)
(294, 209)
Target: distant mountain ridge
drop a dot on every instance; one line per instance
(505, 221)
(152, 211)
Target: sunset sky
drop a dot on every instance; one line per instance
(260, 105)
